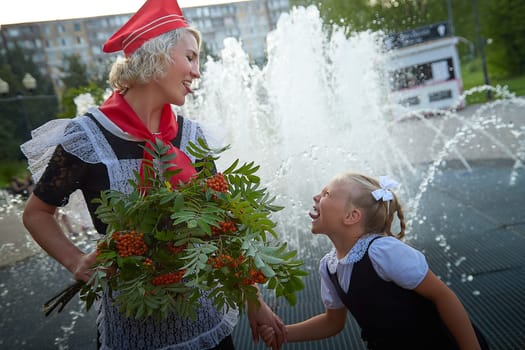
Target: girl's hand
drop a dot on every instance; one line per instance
(267, 334)
(262, 315)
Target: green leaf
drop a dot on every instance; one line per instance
(192, 223)
(231, 168)
(267, 271)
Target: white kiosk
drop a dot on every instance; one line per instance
(424, 71)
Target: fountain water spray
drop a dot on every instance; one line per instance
(321, 105)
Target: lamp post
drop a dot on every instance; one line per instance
(4, 87)
(30, 84)
(450, 17)
(481, 47)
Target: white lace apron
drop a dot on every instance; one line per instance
(83, 138)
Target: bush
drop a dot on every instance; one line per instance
(8, 169)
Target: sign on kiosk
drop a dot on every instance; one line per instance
(424, 71)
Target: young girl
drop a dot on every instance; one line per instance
(398, 302)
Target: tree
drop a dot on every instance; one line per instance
(386, 15)
(75, 74)
(205, 54)
(69, 108)
(77, 81)
(22, 110)
(502, 24)
(505, 27)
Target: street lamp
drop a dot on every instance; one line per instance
(481, 44)
(4, 87)
(30, 84)
(28, 81)
(450, 17)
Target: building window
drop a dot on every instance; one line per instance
(440, 95)
(422, 74)
(14, 32)
(96, 50)
(410, 101)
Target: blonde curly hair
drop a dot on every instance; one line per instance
(148, 62)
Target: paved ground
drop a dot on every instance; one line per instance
(473, 233)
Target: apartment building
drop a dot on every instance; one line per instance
(49, 42)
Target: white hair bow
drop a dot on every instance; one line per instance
(384, 192)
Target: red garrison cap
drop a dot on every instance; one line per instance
(154, 18)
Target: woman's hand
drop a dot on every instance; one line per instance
(261, 314)
(83, 270)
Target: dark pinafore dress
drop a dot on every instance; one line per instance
(392, 317)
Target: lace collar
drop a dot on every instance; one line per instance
(354, 255)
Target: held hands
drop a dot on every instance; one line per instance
(267, 334)
(261, 317)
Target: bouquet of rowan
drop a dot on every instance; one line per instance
(166, 244)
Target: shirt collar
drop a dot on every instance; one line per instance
(354, 255)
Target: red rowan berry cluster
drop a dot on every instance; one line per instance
(130, 243)
(225, 260)
(256, 276)
(100, 247)
(221, 260)
(217, 183)
(148, 262)
(168, 278)
(224, 227)
(175, 249)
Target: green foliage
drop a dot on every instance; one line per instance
(77, 83)
(472, 75)
(205, 54)
(166, 245)
(75, 73)
(10, 169)
(22, 110)
(388, 16)
(501, 26)
(9, 141)
(69, 108)
(506, 53)
(516, 84)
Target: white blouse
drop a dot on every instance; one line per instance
(392, 259)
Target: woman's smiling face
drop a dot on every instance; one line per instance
(181, 72)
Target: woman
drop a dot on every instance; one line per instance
(101, 150)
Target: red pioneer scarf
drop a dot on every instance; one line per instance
(120, 112)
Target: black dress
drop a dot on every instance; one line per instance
(392, 317)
